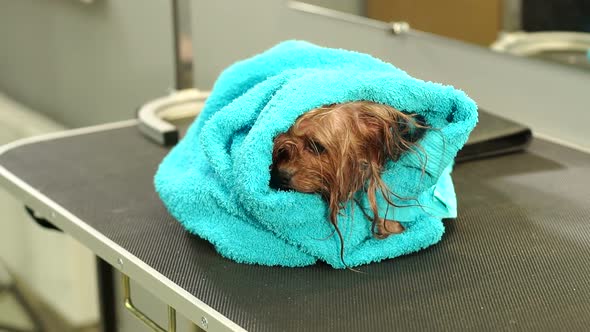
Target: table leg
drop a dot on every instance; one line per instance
(106, 294)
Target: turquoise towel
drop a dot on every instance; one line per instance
(215, 182)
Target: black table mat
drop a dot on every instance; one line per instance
(517, 258)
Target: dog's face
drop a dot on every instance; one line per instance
(340, 149)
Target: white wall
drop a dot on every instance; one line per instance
(79, 65)
(85, 64)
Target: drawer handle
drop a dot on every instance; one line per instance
(141, 316)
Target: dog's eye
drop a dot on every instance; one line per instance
(282, 154)
(315, 147)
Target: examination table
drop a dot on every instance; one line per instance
(516, 258)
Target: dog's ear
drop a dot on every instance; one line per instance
(413, 128)
(404, 132)
(391, 131)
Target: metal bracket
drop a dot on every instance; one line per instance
(141, 316)
(400, 28)
(179, 104)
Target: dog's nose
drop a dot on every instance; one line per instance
(280, 178)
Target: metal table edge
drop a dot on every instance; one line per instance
(172, 294)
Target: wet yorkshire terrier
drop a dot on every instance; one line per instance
(339, 150)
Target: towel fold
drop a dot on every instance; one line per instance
(215, 182)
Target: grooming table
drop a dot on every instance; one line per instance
(517, 258)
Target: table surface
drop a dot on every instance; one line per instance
(517, 258)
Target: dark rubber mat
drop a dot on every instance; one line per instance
(517, 258)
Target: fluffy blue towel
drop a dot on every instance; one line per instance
(216, 180)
